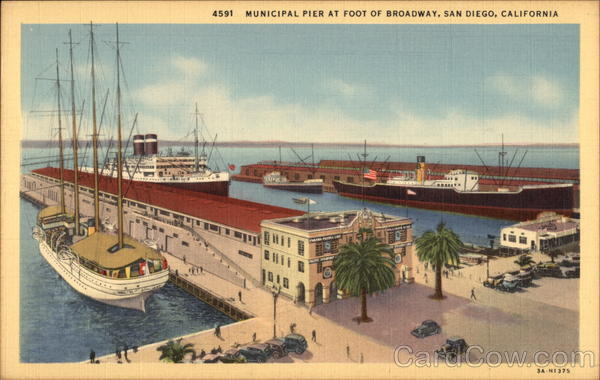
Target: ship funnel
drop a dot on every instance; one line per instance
(421, 169)
(151, 144)
(138, 145)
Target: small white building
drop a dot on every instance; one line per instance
(545, 233)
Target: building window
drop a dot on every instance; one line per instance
(504, 237)
(237, 234)
(197, 222)
(522, 240)
(398, 235)
(175, 235)
(286, 283)
(266, 255)
(185, 243)
(289, 242)
(266, 237)
(275, 258)
(278, 279)
(245, 254)
(300, 247)
(161, 230)
(289, 262)
(319, 267)
(301, 266)
(226, 231)
(512, 238)
(271, 276)
(214, 228)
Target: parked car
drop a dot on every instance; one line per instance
(211, 358)
(572, 273)
(426, 329)
(278, 347)
(493, 281)
(453, 348)
(525, 277)
(548, 269)
(257, 352)
(296, 343)
(509, 284)
(232, 355)
(570, 261)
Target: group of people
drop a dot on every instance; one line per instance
(124, 353)
(194, 270)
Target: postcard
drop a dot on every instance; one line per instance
(300, 189)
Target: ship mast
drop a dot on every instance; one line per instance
(75, 162)
(94, 137)
(196, 165)
(119, 154)
(60, 143)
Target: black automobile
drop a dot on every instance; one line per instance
(296, 343)
(453, 348)
(572, 273)
(232, 356)
(211, 358)
(256, 353)
(548, 269)
(277, 346)
(426, 329)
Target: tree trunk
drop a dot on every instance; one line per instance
(363, 306)
(438, 282)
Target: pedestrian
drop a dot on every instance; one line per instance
(125, 349)
(347, 351)
(184, 259)
(219, 349)
(202, 353)
(292, 328)
(473, 295)
(240, 295)
(92, 356)
(201, 269)
(426, 266)
(118, 355)
(314, 335)
(310, 309)
(362, 359)
(218, 331)
(177, 272)
(135, 349)
(253, 337)
(425, 277)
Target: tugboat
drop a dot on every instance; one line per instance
(275, 180)
(113, 269)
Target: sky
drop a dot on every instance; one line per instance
(395, 84)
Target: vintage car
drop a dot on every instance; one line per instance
(232, 355)
(277, 346)
(426, 329)
(453, 348)
(548, 269)
(257, 352)
(493, 281)
(296, 343)
(510, 284)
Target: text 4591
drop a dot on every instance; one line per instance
(222, 13)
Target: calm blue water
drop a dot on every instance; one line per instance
(59, 325)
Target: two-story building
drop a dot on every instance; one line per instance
(298, 252)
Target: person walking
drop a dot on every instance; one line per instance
(184, 259)
(92, 356)
(362, 359)
(347, 351)
(473, 295)
(425, 275)
(125, 349)
(314, 336)
(240, 295)
(218, 331)
(201, 269)
(292, 328)
(253, 337)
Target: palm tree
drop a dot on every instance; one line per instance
(363, 267)
(524, 260)
(174, 351)
(439, 247)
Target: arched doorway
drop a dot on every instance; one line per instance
(300, 292)
(333, 292)
(318, 294)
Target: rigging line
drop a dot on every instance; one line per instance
(520, 162)
(44, 162)
(106, 159)
(127, 146)
(487, 171)
(510, 164)
(212, 147)
(102, 117)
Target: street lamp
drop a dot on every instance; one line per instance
(275, 291)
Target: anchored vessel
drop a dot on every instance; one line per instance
(110, 268)
(275, 180)
(459, 191)
(182, 171)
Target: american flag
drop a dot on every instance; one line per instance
(370, 174)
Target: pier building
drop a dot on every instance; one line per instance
(298, 251)
(183, 223)
(549, 231)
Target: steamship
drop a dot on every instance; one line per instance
(182, 171)
(459, 191)
(110, 268)
(277, 181)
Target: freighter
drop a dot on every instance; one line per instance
(110, 268)
(459, 191)
(183, 171)
(275, 180)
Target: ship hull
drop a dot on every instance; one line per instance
(524, 204)
(109, 291)
(297, 187)
(215, 187)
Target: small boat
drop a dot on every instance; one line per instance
(275, 180)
